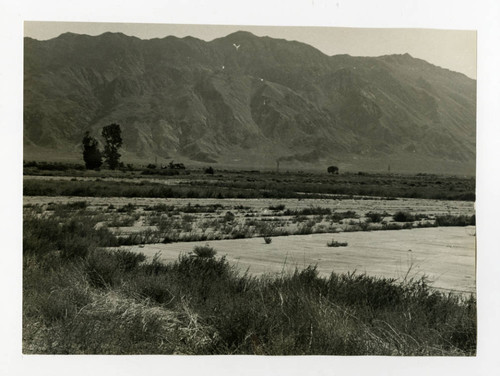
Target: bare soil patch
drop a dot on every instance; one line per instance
(445, 255)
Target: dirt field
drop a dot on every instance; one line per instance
(445, 255)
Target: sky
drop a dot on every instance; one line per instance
(451, 49)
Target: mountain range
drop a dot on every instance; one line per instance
(244, 101)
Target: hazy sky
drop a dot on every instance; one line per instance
(452, 49)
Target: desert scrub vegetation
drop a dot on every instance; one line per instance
(347, 185)
(163, 223)
(247, 184)
(460, 220)
(89, 300)
(133, 224)
(102, 188)
(52, 166)
(375, 217)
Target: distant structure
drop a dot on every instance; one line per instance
(236, 46)
(277, 165)
(333, 170)
(389, 168)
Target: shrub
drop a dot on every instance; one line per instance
(127, 208)
(392, 226)
(334, 243)
(277, 207)
(375, 217)
(460, 220)
(229, 217)
(73, 238)
(128, 260)
(176, 166)
(152, 171)
(204, 251)
(123, 221)
(401, 216)
(313, 210)
(122, 305)
(209, 170)
(159, 208)
(268, 239)
(338, 216)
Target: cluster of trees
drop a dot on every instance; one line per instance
(92, 155)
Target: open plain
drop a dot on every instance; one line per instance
(241, 262)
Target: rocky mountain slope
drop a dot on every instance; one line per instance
(247, 101)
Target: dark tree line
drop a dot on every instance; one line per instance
(92, 155)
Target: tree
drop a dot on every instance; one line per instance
(333, 170)
(91, 153)
(112, 135)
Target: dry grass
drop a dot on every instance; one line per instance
(86, 300)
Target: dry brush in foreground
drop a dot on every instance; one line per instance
(80, 299)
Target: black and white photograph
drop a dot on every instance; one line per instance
(199, 189)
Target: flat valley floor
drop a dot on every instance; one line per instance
(445, 255)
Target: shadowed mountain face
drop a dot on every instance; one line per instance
(247, 101)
